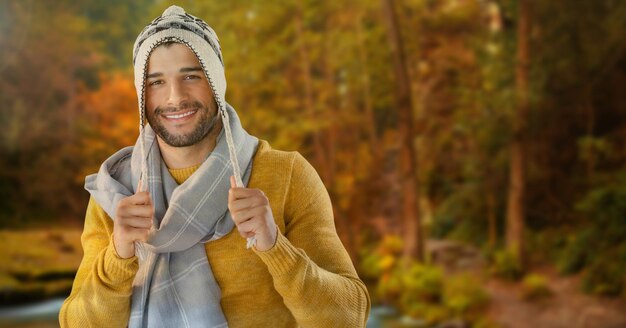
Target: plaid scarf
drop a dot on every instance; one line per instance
(175, 286)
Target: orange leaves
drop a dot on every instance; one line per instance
(112, 110)
(110, 119)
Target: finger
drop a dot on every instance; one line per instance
(238, 193)
(231, 197)
(244, 203)
(138, 187)
(137, 222)
(248, 228)
(140, 198)
(144, 211)
(248, 214)
(249, 234)
(243, 234)
(233, 186)
(138, 234)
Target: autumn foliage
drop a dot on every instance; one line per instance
(498, 123)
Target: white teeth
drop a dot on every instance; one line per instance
(181, 115)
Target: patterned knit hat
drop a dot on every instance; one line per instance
(175, 25)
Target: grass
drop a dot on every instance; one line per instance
(37, 264)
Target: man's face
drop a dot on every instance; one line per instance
(179, 102)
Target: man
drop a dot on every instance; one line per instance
(177, 200)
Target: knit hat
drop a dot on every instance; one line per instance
(175, 25)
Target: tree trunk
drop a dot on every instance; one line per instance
(308, 101)
(332, 135)
(517, 177)
(373, 188)
(492, 218)
(368, 108)
(413, 247)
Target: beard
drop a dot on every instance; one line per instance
(206, 124)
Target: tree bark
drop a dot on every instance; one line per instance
(413, 239)
(492, 218)
(372, 196)
(308, 101)
(368, 108)
(517, 174)
(332, 135)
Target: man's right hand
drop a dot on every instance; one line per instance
(132, 223)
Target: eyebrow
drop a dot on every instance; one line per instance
(182, 70)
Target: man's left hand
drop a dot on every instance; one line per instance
(252, 214)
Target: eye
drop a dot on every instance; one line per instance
(155, 83)
(191, 77)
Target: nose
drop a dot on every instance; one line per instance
(177, 94)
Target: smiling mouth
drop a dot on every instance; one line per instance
(181, 115)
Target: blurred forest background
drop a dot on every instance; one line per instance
(473, 149)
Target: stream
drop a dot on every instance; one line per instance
(45, 314)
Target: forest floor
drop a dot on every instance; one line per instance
(39, 265)
(566, 307)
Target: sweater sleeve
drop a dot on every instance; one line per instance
(310, 268)
(102, 287)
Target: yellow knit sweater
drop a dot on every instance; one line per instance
(305, 280)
